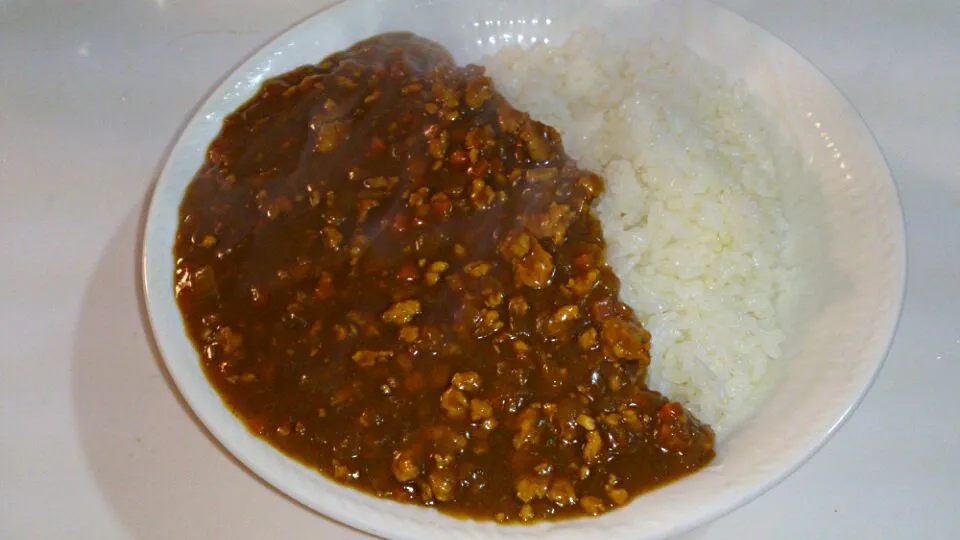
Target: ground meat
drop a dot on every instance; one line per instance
(395, 277)
(626, 340)
(402, 312)
(532, 265)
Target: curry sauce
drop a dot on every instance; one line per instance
(395, 277)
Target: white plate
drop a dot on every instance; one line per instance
(831, 358)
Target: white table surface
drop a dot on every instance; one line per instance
(95, 444)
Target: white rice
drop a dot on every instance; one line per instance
(693, 214)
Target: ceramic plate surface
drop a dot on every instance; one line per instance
(831, 357)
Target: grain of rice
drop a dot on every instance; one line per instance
(693, 213)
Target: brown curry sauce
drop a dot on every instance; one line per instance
(395, 278)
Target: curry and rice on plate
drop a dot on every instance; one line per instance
(515, 292)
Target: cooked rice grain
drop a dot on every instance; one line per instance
(693, 214)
